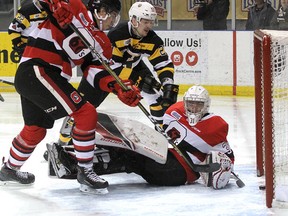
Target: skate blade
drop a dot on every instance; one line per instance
(14, 184)
(87, 189)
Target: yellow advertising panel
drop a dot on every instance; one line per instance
(8, 58)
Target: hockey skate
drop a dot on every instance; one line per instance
(90, 182)
(53, 159)
(8, 176)
(65, 134)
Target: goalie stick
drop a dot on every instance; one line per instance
(6, 82)
(195, 167)
(239, 182)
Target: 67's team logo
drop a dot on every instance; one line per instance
(76, 97)
(176, 131)
(74, 46)
(173, 133)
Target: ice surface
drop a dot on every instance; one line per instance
(129, 194)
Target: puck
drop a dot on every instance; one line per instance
(262, 187)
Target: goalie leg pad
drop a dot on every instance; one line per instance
(220, 178)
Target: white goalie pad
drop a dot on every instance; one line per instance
(220, 178)
(130, 134)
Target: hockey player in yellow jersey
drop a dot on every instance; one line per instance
(28, 17)
(132, 41)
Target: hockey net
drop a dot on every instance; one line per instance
(271, 112)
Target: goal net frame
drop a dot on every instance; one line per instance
(269, 74)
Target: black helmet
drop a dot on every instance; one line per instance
(112, 8)
(109, 5)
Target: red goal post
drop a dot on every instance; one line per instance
(271, 111)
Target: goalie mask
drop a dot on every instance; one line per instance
(196, 103)
(111, 7)
(143, 10)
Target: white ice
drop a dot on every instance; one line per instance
(129, 194)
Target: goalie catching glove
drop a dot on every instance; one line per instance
(220, 178)
(130, 97)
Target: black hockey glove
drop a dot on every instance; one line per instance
(148, 84)
(20, 48)
(170, 93)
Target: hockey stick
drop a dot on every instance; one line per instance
(6, 82)
(195, 167)
(1, 98)
(239, 182)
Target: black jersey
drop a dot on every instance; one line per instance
(28, 17)
(129, 49)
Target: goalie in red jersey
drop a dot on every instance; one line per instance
(201, 135)
(42, 80)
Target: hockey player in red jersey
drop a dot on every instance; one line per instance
(202, 137)
(42, 80)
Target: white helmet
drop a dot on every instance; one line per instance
(143, 10)
(196, 103)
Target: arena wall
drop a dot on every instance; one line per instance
(222, 61)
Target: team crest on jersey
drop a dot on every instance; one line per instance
(176, 115)
(76, 97)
